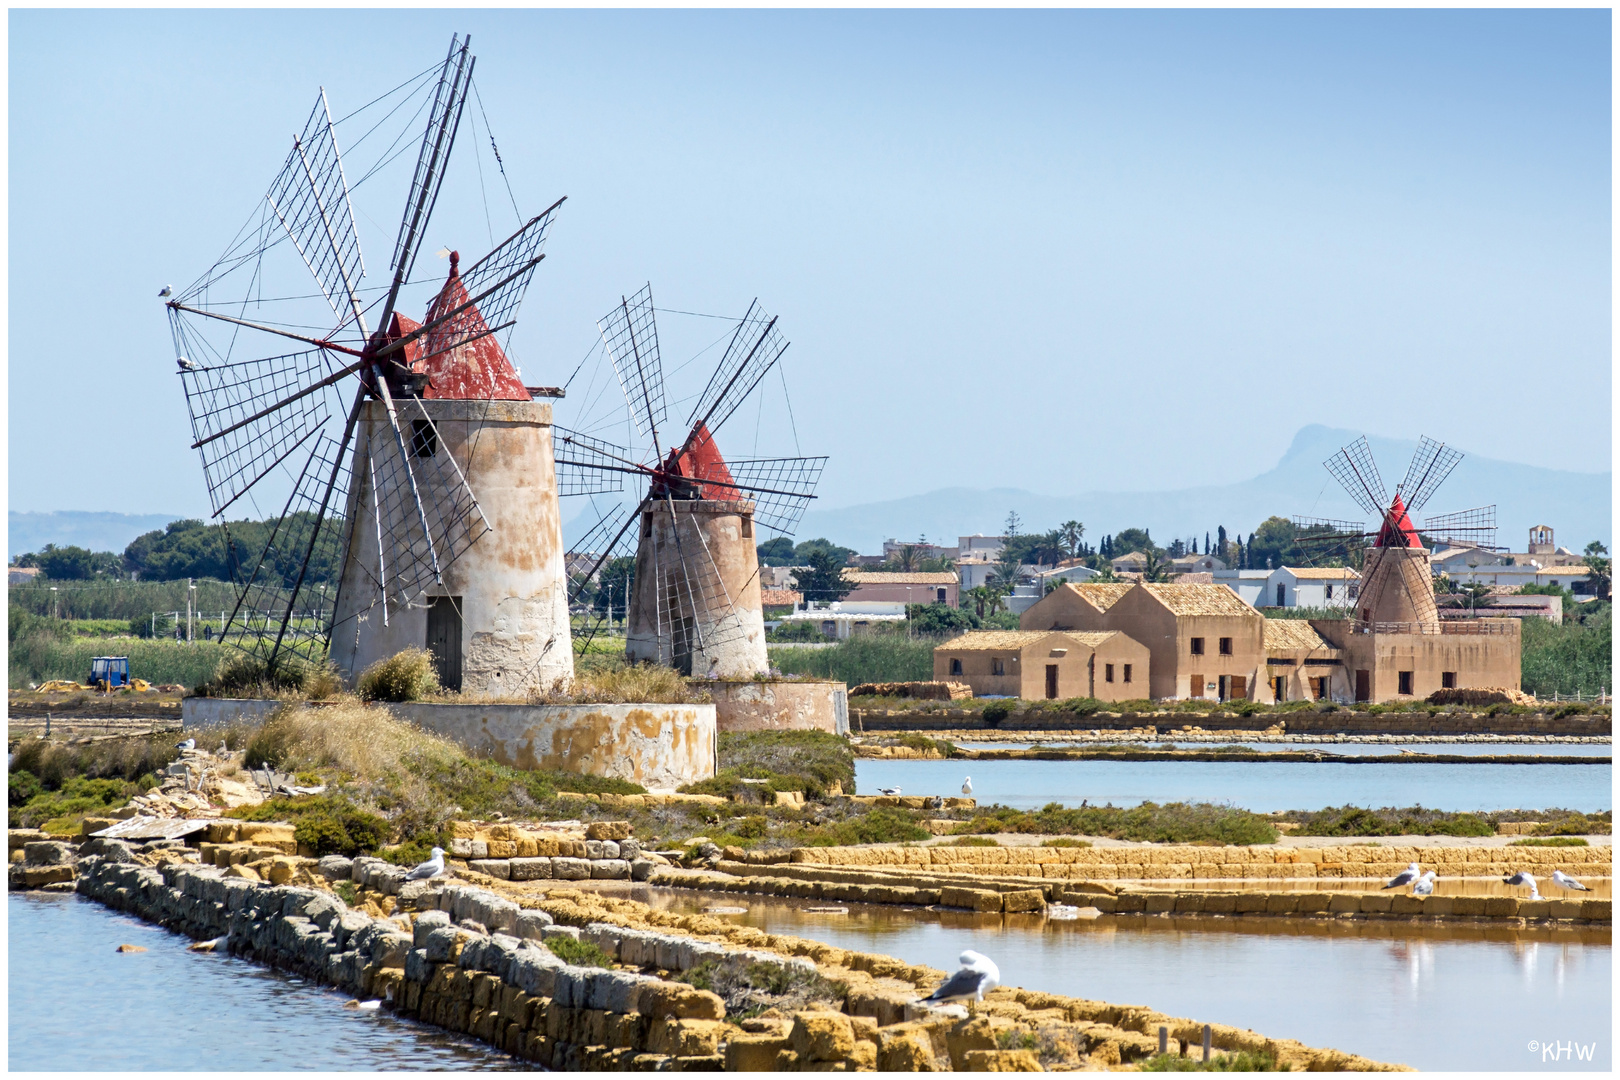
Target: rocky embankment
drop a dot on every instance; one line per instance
(473, 960)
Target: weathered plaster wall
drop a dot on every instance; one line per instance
(781, 706)
(514, 603)
(660, 747)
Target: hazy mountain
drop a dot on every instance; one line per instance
(91, 529)
(1576, 505)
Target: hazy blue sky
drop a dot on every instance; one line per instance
(1059, 251)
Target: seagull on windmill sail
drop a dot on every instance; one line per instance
(186, 365)
(977, 977)
(430, 869)
(1563, 880)
(1405, 877)
(167, 290)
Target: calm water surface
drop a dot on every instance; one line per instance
(1452, 998)
(75, 1004)
(1260, 786)
(1538, 749)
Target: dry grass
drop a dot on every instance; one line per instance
(363, 741)
(408, 675)
(613, 683)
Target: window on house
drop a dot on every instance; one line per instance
(1108, 673)
(424, 440)
(941, 597)
(956, 666)
(1448, 680)
(1282, 593)
(1198, 646)
(829, 628)
(1127, 673)
(1330, 592)
(1226, 646)
(748, 525)
(998, 666)
(1403, 681)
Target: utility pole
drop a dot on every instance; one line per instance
(53, 601)
(191, 592)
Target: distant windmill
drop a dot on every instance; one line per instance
(1396, 583)
(695, 599)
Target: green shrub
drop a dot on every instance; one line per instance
(749, 988)
(1242, 1061)
(942, 747)
(1388, 821)
(880, 825)
(578, 953)
(1550, 841)
(55, 762)
(972, 841)
(807, 761)
(1065, 841)
(21, 786)
(1572, 825)
(77, 798)
(329, 824)
(408, 675)
(996, 712)
(863, 658)
(1179, 823)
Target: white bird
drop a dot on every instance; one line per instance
(186, 365)
(364, 1006)
(188, 744)
(1425, 885)
(432, 868)
(888, 791)
(967, 785)
(1405, 877)
(1563, 880)
(167, 290)
(977, 977)
(1522, 878)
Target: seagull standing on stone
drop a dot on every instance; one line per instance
(1405, 877)
(967, 785)
(1425, 885)
(1564, 881)
(188, 744)
(430, 869)
(888, 791)
(1523, 878)
(977, 977)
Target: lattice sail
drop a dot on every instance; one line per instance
(1475, 527)
(754, 349)
(1357, 473)
(779, 488)
(630, 334)
(310, 197)
(1430, 466)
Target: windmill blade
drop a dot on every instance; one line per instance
(589, 466)
(780, 488)
(500, 280)
(444, 120)
(754, 348)
(1465, 528)
(610, 539)
(1323, 538)
(1354, 469)
(630, 334)
(310, 197)
(426, 515)
(1430, 466)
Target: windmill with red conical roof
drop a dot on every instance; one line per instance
(1396, 588)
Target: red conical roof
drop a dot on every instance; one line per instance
(1398, 530)
(701, 461)
(477, 370)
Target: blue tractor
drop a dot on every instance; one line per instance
(109, 672)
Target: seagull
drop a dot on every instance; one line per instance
(888, 791)
(977, 977)
(186, 365)
(1405, 877)
(432, 868)
(188, 744)
(1523, 878)
(364, 1006)
(967, 785)
(167, 290)
(1425, 885)
(1563, 880)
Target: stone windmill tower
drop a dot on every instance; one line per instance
(1396, 592)
(409, 463)
(694, 602)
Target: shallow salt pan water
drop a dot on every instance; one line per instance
(75, 1004)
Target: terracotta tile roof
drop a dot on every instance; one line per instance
(1101, 596)
(780, 597)
(1200, 600)
(883, 577)
(1284, 634)
(1019, 639)
(1323, 573)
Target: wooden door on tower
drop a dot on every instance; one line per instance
(444, 639)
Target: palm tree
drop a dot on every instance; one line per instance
(1071, 532)
(1006, 575)
(1153, 566)
(982, 597)
(907, 556)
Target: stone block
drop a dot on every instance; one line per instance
(495, 868)
(35, 877)
(754, 1053)
(501, 849)
(1158, 903)
(1468, 906)
(1501, 907)
(822, 1036)
(1130, 903)
(607, 830)
(1282, 903)
(47, 853)
(1023, 900)
(1251, 903)
(1406, 905)
(610, 870)
(1597, 909)
(528, 925)
(642, 869)
(336, 868)
(530, 869)
(1001, 1061)
(1312, 902)
(905, 1047)
(972, 899)
(569, 869)
(1345, 903)
(1375, 902)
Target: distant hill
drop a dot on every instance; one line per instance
(91, 529)
(1576, 505)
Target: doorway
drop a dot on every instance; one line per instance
(1279, 688)
(1363, 684)
(444, 639)
(1051, 680)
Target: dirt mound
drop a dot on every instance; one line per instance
(1481, 695)
(928, 691)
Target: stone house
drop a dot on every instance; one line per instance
(877, 586)
(1301, 665)
(1035, 664)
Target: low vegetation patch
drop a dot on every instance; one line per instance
(578, 953)
(808, 761)
(1575, 825)
(1550, 841)
(606, 680)
(54, 762)
(972, 841)
(327, 824)
(749, 988)
(1173, 823)
(62, 809)
(1388, 821)
(408, 675)
(1242, 1061)
(1065, 841)
(864, 658)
